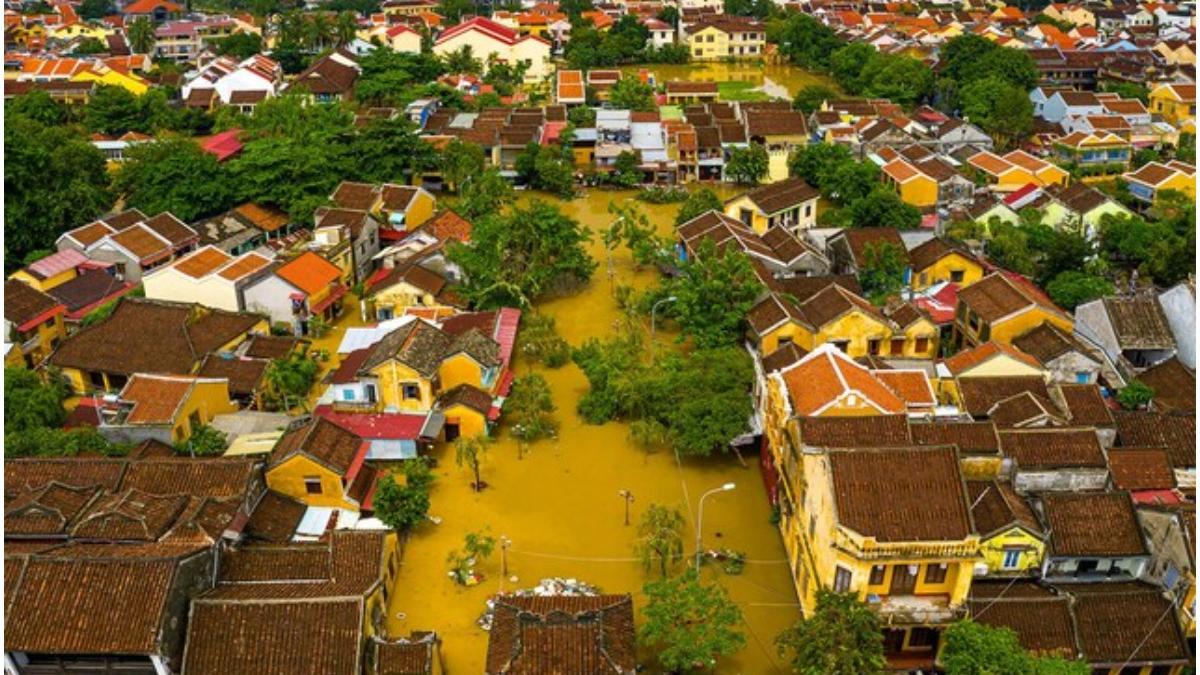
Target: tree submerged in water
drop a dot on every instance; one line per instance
(690, 624)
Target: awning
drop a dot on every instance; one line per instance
(334, 295)
(433, 424)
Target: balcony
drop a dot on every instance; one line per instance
(915, 610)
(358, 406)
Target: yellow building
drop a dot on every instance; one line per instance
(468, 411)
(999, 308)
(1095, 155)
(791, 204)
(892, 526)
(720, 37)
(54, 270)
(1011, 539)
(827, 383)
(839, 317)
(33, 324)
(1153, 178)
(1176, 52)
(1016, 170)
(913, 186)
(404, 207)
(1176, 102)
(939, 260)
(169, 407)
(322, 464)
(403, 287)
(115, 78)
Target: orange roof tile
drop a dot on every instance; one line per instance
(968, 359)
(827, 374)
(309, 272)
(203, 262)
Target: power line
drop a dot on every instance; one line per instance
(1170, 606)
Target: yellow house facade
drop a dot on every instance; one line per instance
(107, 76)
(321, 464)
(913, 186)
(33, 321)
(1176, 102)
(724, 37)
(858, 329)
(937, 260)
(1011, 539)
(789, 203)
(997, 309)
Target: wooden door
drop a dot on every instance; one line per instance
(903, 580)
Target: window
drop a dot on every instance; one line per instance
(922, 345)
(1086, 567)
(922, 638)
(411, 390)
(897, 347)
(957, 276)
(877, 574)
(843, 345)
(924, 278)
(873, 346)
(347, 394)
(312, 485)
(841, 579)
(1012, 559)
(935, 574)
(1083, 377)
(783, 340)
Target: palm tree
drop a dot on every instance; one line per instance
(346, 27)
(141, 35)
(320, 30)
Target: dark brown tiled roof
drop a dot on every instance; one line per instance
(275, 518)
(171, 228)
(271, 346)
(131, 515)
(1052, 448)
(245, 375)
(925, 255)
(901, 494)
(1141, 469)
(23, 302)
(785, 194)
(321, 440)
(803, 288)
(405, 657)
(775, 123)
(994, 297)
(1139, 323)
(1176, 433)
(1025, 409)
(1174, 386)
(1092, 524)
(199, 477)
(88, 288)
(1048, 342)
(48, 510)
(871, 431)
(303, 638)
(417, 344)
(150, 336)
(783, 357)
(1079, 197)
(1085, 405)
(327, 76)
(995, 506)
(34, 473)
(352, 560)
(1117, 620)
(356, 196)
(560, 634)
(1040, 618)
(971, 438)
(464, 321)
(980, 394)
(465, 394)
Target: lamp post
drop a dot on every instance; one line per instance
(628, 497)
(700, 517)
(653, 316)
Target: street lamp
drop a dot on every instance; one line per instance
(653, 311)
(627, 496)
(700, 517)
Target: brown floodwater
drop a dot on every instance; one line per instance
(789, 77)
(561, 509)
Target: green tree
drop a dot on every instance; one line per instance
(713, 293)
(469, 451)
(582, 117)
(37, 105)
(113, 110)
(240, 46)
(847, 63)
(812, 97)
(884, 208)
(89, 46)
(174, 175)
(292, 378)
(630, 93)
(882, 275)
(689, 624)
(1001, 109)
(205, 441)
(1135, 396)
(698, 203)
(463, 62)
(345, 27)
(96, 9)
(460, 161)
(522, 255)
(294, 174)
(902, 79)
(404, 506)
(976, 649)
(49, 442)
(483, 194)
(539, 340)
(141, 35)
(477, 548)
(660, 538)
(707, 406)
(390, 151)
(54, 179)
(30, 402)
(626, 171)
(1072, 288)
(971, 57)
(530, 407)
(748, 165)
(390, 77)
(842, 637)
(803, 40)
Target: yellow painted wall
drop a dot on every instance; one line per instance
(1164, 103)
(859, 328)
(920, 192)
(993, 551)
(207, 399)
(942, 269)
(134, 85)
(460, 369)
(402, 295)
(1180, 182)
(708, 44)
(288, 478)
(758, 220)
(1005, 330)
(470, 421)
(44, 284)
(420, 210)
(980, 468)
(1015, 180)
(392, 376)
(1001, 366)
(210, 291)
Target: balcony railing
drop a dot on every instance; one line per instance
(903, 610)
(357, 406)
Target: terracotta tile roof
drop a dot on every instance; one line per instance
(994, 297)
(980, 394)
(562, 634)
(217, 477)
(142, 242)
(912, 386)
(353, 561)
(397, 197)
(783, 357)
(419, 277)
(1047, 342)
(1141, 469)
(149, 336)
(1112, 621)
(803, 288)
(244, 266)
(969, 359)
(467, 395)
(26, 307)
(446, 225)
(327, 443)
(1174, 386)
(48, 510)
(990, 163)
(1139, 322)
(131, 515)
(870, 431)
(271, 346)
(1041, 618)
(1034, 449)
(857, 239)
(31, 474)
(417, 344)
(925, 255)
(1092, 524)
(762, 123)
(156, 399)
(995, 506)
(203, 262)
(971, 438)
(357, 196)
(901, 494)
(1025, 409)
(784, 194)
(406, 656)
(1085, 405)
(171, 228)
(267, 219)
(1176, 433)
(826, 375)
(309, 272)
(245, 376)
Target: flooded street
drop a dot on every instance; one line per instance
(782, 77)
(561, 509)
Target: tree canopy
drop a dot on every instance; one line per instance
(713, 293)
(842, 637)
(690, 624)
(175, 175)
(976, 649)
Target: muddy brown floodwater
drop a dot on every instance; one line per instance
(789, 77)
(561, 509)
